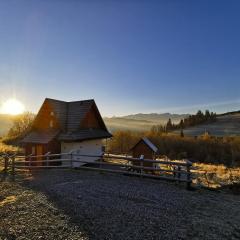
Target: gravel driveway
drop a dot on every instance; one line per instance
(111, 206)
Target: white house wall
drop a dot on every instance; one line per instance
(90, 147)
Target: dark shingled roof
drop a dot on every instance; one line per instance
(69, 115)
(60, 109)
(40, 137)
(76, 112)
(84, 134)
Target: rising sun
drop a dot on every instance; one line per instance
(13, 107)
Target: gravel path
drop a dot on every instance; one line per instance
(110, 206)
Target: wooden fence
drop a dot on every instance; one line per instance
(179, 171)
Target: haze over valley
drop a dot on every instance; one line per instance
(226, 125)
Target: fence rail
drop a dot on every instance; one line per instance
(179, 171)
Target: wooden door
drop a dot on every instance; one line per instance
(39, 151)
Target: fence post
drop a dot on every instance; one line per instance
(179, 173)
(141, 163)
(13, 166)
(71, 160)
(174, 169)
(189, 179)
(47, 158)
(28, 159)
(6, 158)
(101, 160)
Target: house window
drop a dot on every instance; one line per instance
(51, 124)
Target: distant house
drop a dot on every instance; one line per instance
(146, 148)
(62, 127)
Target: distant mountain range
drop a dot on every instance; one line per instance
(141, 121)
(226, 124)
(157, 117)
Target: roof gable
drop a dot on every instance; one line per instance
(76, 112)
(93, 118)
(77, 120)
(148, 143)
(60, 110)
(44, 116)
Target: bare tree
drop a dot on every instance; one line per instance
(21, 125)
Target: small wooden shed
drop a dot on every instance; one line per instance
(144, 147)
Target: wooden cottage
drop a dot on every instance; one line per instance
(146, 148)
(63, 127)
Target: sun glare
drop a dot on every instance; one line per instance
(13, 107)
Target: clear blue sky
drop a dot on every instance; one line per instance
(130, 56)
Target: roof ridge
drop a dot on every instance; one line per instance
(57, 100)
(52, 99)
(150, 144)
(87, 100)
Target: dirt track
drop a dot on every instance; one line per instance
(64, 204)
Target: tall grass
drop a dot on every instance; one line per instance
(8, 148)
(215, 176)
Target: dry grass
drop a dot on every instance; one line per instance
(204, 175)
(215, 176)
(7, 148)
(7, 200)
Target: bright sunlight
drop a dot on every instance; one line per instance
(13, 107)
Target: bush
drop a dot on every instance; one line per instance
(202, 149)
(21, 126)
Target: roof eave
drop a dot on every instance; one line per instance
(85, 139)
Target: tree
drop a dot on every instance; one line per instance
(195, 119)
(199, 114)
(213, 117)
(21, 125)
(122, 141)
(181, 133)
(181, 124)
(169, 125)
(154, 129)
(207, 115)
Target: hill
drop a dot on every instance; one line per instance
(226, 125)
(141, 121)
(157, 117)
